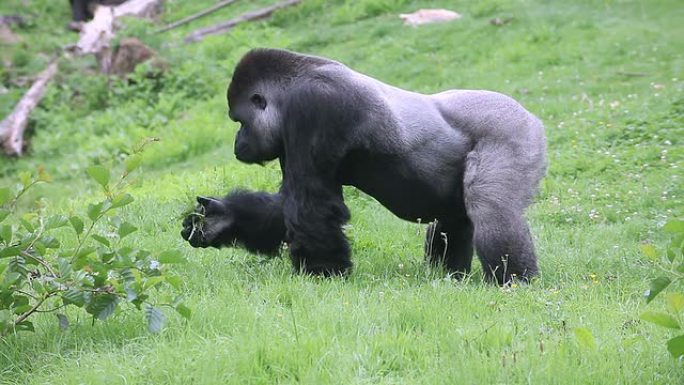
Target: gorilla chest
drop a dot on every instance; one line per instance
(410, 188)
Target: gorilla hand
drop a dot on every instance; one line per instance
(252, 220)
(210, 225)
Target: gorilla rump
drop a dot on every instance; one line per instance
(471, 160)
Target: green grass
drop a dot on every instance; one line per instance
(615, 176)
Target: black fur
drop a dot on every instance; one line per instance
(82, 10)
(252, 220)
(471, 160)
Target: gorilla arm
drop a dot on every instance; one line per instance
(315, 141)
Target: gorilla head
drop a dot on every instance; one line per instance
(470, 160)
(255, 97)
(258, 139)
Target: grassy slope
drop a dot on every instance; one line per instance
(615, 149)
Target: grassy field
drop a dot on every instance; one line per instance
(607, 79)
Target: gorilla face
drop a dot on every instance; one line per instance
(258, 140)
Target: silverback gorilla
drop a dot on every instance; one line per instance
(471, 160)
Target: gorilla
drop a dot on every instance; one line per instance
(82, 10)
(468, 161)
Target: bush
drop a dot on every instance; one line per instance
(673, 266)
(51, 262)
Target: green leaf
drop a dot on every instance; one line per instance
(152, 281)
(101, 239)
(5, 195)
(649, 251)
(133, 162)
(175, 281)
(131, 293)
(65, 268)
(21, 309)
(43, 176)
(50, 242)
(80, 259)
(675, 301)
(6, 233)
(125, 229)
(94, 211)
(103, 306)
(671, 255)
(171, 256)
(74, 297)
(27, 225)
(63, 321)
(5, 316)
(56, 221)
(585, 338)
(37, 286)
(128, 275)
(122, 200)
(77, 224)
(25, 178)
(676, 346)
(100, 174)
(10, 252)
(184, 311)
(106, 257)
(657, 285)
(4, 213)
(26, 326)
(660, 319)
(18, 264)
(674, 226)
(155, 319)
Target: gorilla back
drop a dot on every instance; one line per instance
(470, 161)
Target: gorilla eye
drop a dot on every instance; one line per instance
(259, 101)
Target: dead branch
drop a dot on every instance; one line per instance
(95, 38)
(633, 74)
(196, 16)
(97, 34)
(13, 127)
(226, 26)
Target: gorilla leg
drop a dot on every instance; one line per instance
(253, 220)
(499, 183)
(451, 245)
(79, 10)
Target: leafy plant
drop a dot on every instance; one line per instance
(52, 262)
(673, 267)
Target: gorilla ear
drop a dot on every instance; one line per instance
(259, 101)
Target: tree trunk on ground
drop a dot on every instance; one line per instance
(13, 127)
(97, 34)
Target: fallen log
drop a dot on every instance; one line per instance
(13, 127)
(95, 38)
(96, 35)
(196, 16)
(226, 26)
